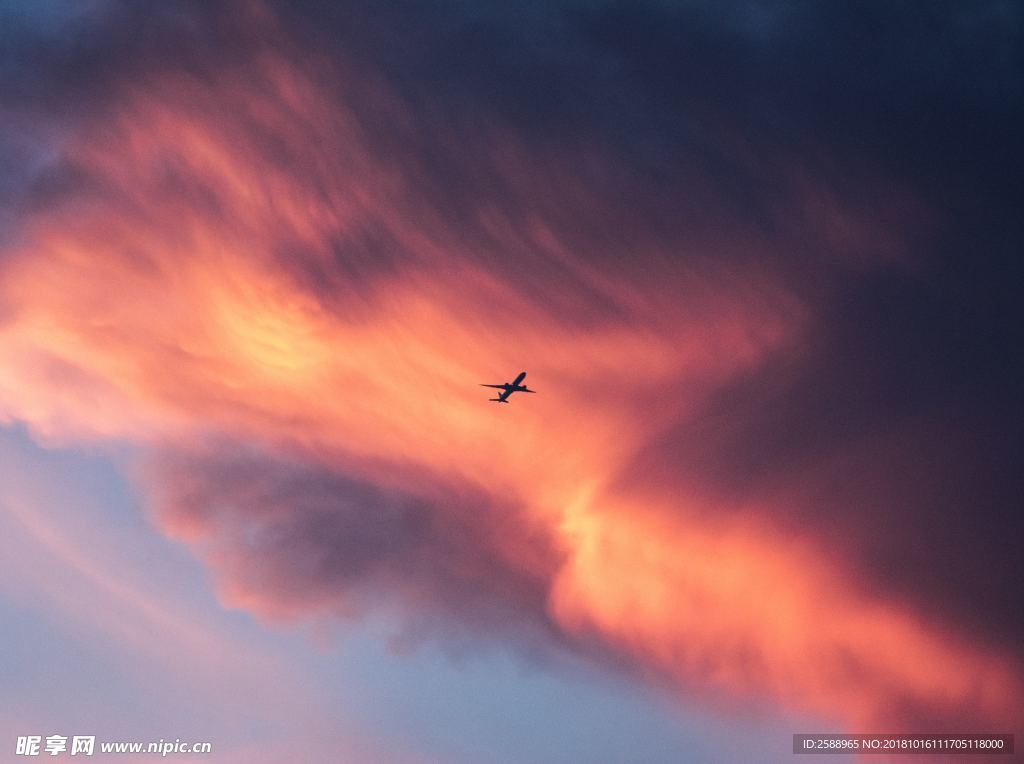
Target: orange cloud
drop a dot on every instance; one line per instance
(248, 265)
(736, 607)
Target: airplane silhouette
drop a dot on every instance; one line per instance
(510, 387)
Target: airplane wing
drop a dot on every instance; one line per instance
(500, 387)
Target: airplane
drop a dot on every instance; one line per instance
(510, 387)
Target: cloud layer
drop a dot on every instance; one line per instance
(280, 247)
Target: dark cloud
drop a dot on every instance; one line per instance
(290, 538)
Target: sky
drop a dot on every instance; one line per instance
(761, 262)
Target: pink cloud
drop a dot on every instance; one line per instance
(250, 268)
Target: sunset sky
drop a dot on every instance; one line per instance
(761, 261)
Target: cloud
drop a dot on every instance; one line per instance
(282, 261)
(291, 538)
